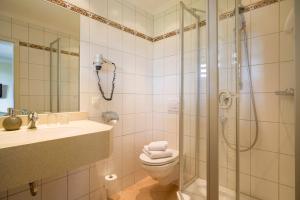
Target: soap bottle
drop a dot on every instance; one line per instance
(12, 122)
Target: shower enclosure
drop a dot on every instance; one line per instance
(236, 123)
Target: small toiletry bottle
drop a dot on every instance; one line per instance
(12, 122)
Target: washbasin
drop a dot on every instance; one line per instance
(27, 155)
(27, 136)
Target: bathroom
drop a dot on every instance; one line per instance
(97, 82)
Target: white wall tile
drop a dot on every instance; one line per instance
(56, 189)
(128, 153)
(25, 195)
(267, 106)
(129, 16)
(265, 165)
(128, 43)
(36, 56)
(99, 7)
(287, 42)
(265, 78)
(115, 10)
(265, 49)
(78, 184)
(287, 139)
(285, 10)
(265, 20)
(286, 193)
(129, 123)
(264, 189)
(98, 32)
(129, 102)
(268, 136)
(114, 38)
(84, 28)
(287, 170)
(97, 173)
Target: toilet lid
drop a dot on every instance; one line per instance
(160, 161)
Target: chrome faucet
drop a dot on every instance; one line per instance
(32, 119)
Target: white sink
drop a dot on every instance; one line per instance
(29, 155)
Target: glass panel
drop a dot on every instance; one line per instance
(227, 101)
(190, 98)
(194, 101)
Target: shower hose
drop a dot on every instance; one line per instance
(223, 120)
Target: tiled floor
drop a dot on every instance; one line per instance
(147, 189)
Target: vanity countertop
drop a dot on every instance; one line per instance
(27, 155)
(44, 133)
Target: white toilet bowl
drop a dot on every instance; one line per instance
(164, 170)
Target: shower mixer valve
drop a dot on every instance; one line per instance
(225, 99)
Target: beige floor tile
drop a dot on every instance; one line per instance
(147, 189)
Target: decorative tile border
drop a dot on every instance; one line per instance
(121, 27)
(99, 18)
(248, 8)
(40, 47)
(222, 16)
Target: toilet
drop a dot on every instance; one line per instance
(164, 170)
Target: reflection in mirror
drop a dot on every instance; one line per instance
(39, 57)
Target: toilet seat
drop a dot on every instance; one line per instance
(161, 161)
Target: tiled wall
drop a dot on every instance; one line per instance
(270, 165)
(267, 171)
(34, 64)
(133, 93)
(132, 100)
(166, 83)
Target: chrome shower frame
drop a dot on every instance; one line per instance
(183, 8)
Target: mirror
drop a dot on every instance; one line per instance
(39, 57)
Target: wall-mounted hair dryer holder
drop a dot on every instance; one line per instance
(98, 63)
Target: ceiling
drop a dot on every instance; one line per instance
(154, 6)
(42, 13)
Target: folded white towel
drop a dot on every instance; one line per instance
(158, 146)
(157, 154)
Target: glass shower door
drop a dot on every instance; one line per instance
(193, 98)
(228, 69)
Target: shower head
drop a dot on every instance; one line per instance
(241, 10)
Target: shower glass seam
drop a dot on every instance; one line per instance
(181, 31)
(181, 158)
(198, 97)
(212, 103)
(237, 92)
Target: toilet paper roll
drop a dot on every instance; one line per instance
(111, 177)
(110, 180)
